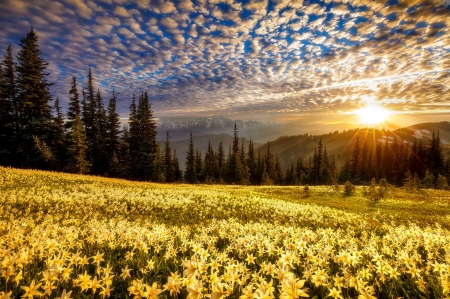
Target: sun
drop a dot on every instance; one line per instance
(372, 114)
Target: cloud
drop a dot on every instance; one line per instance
(226, 57)
(121, 12)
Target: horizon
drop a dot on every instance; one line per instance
(310, 63)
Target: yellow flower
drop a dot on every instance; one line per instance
(195, 290)
(152, 292)
(31, 291)
(292, 288)
(65, 295)
(335, 293)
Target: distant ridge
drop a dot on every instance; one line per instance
(340, 144)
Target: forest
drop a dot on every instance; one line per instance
(89, 139)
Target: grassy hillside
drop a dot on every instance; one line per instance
(340, 144)
(98, 238)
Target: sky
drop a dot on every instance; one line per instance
(311, 63)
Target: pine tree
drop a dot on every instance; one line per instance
(300, 170)
(355, 161)
(59, 136)
(251, 163)
(408, 181)
(9, 125)
(100, 158)
(6, 125)
(33, 97)
(190, 174)
(113, 136)
(199, 166)
(77, 149)
(435, 156)
(235, 167)
(74, 104)
(90, 125)
(278, 171)
(220, 163)
(270, 164)
(177, 171)
(428, 180)
(169, 167)
(143, 140)
(124, 155)
(442, 182)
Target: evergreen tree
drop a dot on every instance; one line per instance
(176, 165)
(235, 167)
(442, 182)
(190, 174)
(199, 166)
(169, 167)
(278, 171)
(300, 170)
(100, 157)
(6, 125)
(90, 125)
(428, 180)
(33, 97)
(408, 181)
(435, 156)
(77, 149)
(270, 164)
(113, 142)
(59, 136)
(251, 163)
(158, 168)
(220, 163)
(355, 161)
(74, 104)
(9, 125)
(124, 167)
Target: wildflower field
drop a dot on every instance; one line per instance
(72, 236)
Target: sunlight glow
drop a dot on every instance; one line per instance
(372, 114)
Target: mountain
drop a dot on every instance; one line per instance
(340, 145)
(256, 130)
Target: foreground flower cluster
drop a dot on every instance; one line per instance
(65, 236)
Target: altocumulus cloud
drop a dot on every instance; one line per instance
(282, 57)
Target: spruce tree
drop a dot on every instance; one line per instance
(100, 158)
(169, 167)
(74, 109)
(59, 136)
(178, 173)
(190, 174)
(125, 154)
(269, 164)
(33, 97)
(220, 163)
(199, 166)
(9, 126)
(143, 136)
(355, 161)
(77, 149)
(235, 167)
(113, 136)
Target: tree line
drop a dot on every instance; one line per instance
(89, 139)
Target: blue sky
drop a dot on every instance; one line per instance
(304, 61)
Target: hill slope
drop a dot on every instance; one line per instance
(339, 145)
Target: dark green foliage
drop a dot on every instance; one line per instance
(428, 180)
(143, 140)
(349, 188)
(190, 174)
(33, 97)
(74, 109)
(77, 162)
(169, 167)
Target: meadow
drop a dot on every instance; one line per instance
(73, 236)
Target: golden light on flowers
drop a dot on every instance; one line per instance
(110, 238)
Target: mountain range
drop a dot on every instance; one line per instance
(289, 146)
